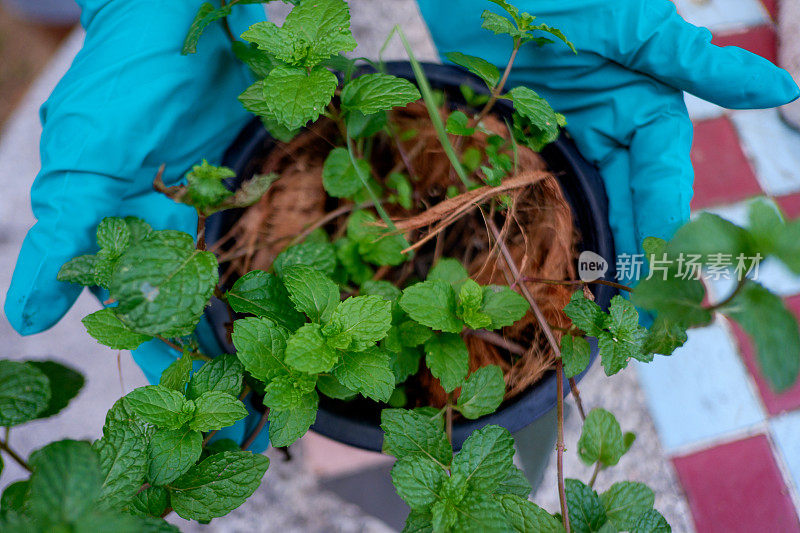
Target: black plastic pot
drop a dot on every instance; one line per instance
(358, 425)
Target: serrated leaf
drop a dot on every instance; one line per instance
(330, 387)
(366, 372)
(65, 383)
(664, 336)
(172, 452)
(206, 15)
(625, 339)
(535, 122)
(65, 482)
(485, 459)
(205, 189)
(524, 516)
(449, 270)
(404, 363)
(263, 295)
(372, 93)
(287, 391)
(651, 522)
(177, 374)
(318, 255)
(515, 483)
(482, 392)
(216, 410)
(480, 67)
(361, 126)
(306, 350)
(350, 258)
(152, 501)
(259, 61)
(586, 512)
(458, 124)
(363, 318)
(311, 291)
(285, 427)
(113, 234)
(122, 453)
(163, 284)
(448, 359)
(295, 97)
(14, 496)
(774, 331)
(160, 406)
(418, 481)
(24, 392)
(576, 353)
(374, 245)
(322, 28)
(339, 175)
(107, 329)
(433, 304)
(498, 24)
(411, 434)
(625, 502)
(80, 270)
(601, 439)
(675, 299)
(503, 306)
(218, 485)
(260, 346)
(470, 300)
(222, 374)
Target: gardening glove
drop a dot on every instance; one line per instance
(622, 93)
(129, 102)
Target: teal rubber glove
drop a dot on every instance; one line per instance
(622, 93)
(129, 102)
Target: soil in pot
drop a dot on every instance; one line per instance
(536, 226)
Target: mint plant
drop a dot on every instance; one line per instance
(354, 306)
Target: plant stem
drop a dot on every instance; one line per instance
(498, 90)
(594, 474)
(225, 24)
(731, 296)
(169, 343)
(14, 455)
(449, 418)
(573, 385)
(201, 232)
(517, 276)
(498, 340)
(254, 434)
(378, 206)
(579, 282)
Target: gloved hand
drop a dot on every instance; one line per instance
(621, 93)
(129, 102)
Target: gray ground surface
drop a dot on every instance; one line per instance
(290, 499)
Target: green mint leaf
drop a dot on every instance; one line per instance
(367, 372)
(433, 304)
(485, 459)
(65, 482)
(470, 300)
(113, 234)
(404, 363)
(482, 392)
(177, 374)
(224, 373)
(216, 410)
(384, 289)
(787, 246)
(373, 244)
(162, 407)
(404, 191)
(524, 515)
(445, 515)
(576, 353)
(418, 481)
(260, 346)
(152, 501)
(122, 452)
(319, 255)
(708, 235)
(515, 483)
(480, 67)
(288, 390)
(163, 284)
(372, 93)
(555, 32)
(254, 100)
(323, 27)
(418, 522)
(14, 497)
(664, 336)
(295, 97)
(774, 331)
(586, 512)
(625, 502)
(458, 124)
(275, 41)
(218, 485)
(626, 337)
(503, 306)
(366, 319)
(24, 392)
(80, 270)
(479, 512)
(601, 439)
(206, 15)
(330, 387)
(448, 359)
(651, 521)
(285, 427)
(535, 122)
(139, 229)
(339, 175)
(413, 333)
(653, 246)
(205, 190)
(311, 291)
(110, 331)
(361, 126)
(410, 434)
(449, 270)
(306, 350)
(585, 314)
(499, 24)
(350, 258)
(65, 383)
(171, 453)
(259, 61)
(674, 299)
(263, 295)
